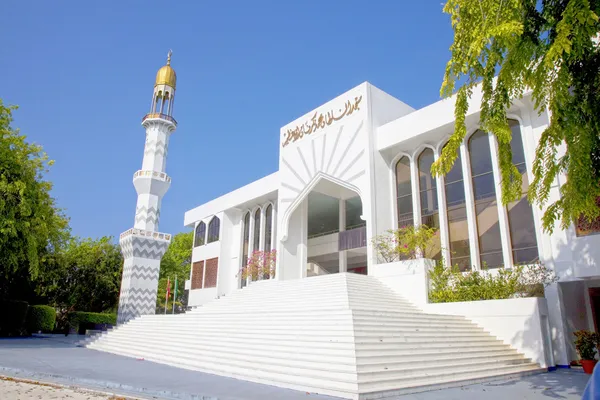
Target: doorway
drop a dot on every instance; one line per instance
(595, 305)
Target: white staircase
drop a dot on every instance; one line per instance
(343, 335)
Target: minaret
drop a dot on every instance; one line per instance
(143, 246)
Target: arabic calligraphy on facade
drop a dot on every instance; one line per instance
(320, 121)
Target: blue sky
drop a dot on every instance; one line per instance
(82, 73)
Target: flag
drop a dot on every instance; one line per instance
(168, 292)
(174, 294)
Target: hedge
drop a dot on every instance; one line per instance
(13, 314)
(80, 321)
(40, 318)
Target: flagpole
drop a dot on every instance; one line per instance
(167, 296)
(174, 294)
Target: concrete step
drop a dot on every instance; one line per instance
(344, 335)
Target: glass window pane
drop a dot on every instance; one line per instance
(404, 192)
(213, 230)
(245, 244)
(353, 213)
(458, 228)
(268, 228)
(323, 214)
(428, 199)
(486, 209)
(256, 239)
(520, 214)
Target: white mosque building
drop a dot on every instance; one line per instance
(337, 320)
(359, 165)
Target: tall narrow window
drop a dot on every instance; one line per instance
(200, 234)
(256, 238)
(213, 229)
(458, 229)
(486, 208)
(245, 243)
(429, 203)
(268, 228)
(520, 215)
(268, 234)
(404, 193)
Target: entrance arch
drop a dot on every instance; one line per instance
(314, 230)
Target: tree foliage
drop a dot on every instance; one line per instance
(175, 263)
(31, 225)
(547, 47)
(29, 218)
(85, 276)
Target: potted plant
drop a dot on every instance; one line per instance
(586, 343)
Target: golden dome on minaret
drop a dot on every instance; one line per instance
(166, 75)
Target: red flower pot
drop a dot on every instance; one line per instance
(588, 365)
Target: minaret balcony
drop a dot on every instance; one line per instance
(151, 182)
(159, 116)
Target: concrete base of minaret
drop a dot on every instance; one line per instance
(142, 251)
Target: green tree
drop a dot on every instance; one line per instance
(175, 263)
(31, 225)
(547, 47)
(86, 275)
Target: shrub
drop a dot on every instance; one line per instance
(450, 285)
(80, 321)
(40, 318)
(406, 243)
(13, 314)
(586, 343)
(261, 264)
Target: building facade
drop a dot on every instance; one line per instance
(358, 166)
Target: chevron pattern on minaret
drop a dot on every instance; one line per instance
(147, 214)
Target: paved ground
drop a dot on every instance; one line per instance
(58, 360)
(17, 390)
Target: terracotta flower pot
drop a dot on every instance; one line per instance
(588, 365)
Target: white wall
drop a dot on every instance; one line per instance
(325, 244)
(291, 262)
(522, 323)
(199, 297)
(337, 153)
(408, 278)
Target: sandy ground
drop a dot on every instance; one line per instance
(11, 389)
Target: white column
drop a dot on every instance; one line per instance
(502, 213)
(303, 250)
(261, 240)
(557, 324)
(416, 198)
(443, 214)
(250, 241)
(470, 206)
(343, 256)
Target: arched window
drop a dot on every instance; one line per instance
(213, 229)
(200, 235)
(520, 215)
(458, 227)
(245, 243)
(164, 108)
(256, 237)
(268, 228)
(428, 197)
(404, 193)
(157, 102)
(268, 233)
(486, 208)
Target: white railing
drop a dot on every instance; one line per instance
(143, 232)
(152, 174)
